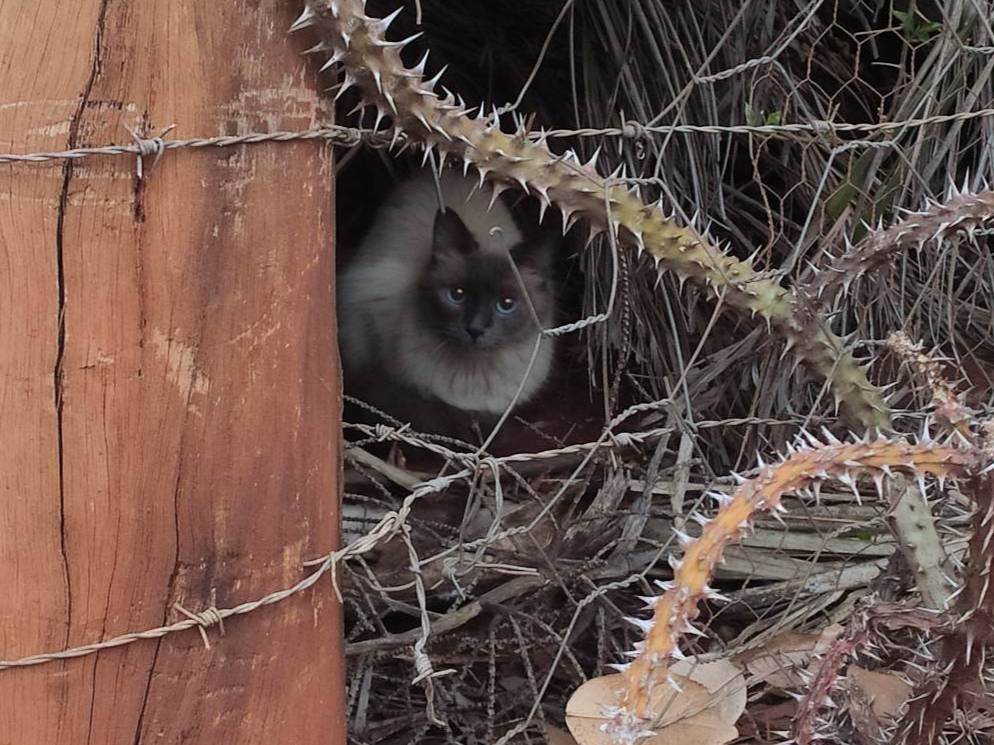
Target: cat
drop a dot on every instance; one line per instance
(431, 313)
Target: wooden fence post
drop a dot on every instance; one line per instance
(169, 394)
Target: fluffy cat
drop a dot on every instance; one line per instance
(430, 307)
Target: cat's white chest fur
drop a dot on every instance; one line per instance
(380, 332)
(487, 384)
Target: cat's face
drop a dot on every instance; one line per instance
(472, 300)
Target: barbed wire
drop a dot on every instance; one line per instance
(390, 524)
(156, 146)
(636, 130)
(351, 136)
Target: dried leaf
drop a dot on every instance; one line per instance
(874, 699)
(712, 698)
(723, 681)
(781, 661)
(884, 691)
(556, 736)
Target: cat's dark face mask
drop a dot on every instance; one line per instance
(472, 299)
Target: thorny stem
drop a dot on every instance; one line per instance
(961, 665)
(962, 212)
(444, 124)
(677, 608)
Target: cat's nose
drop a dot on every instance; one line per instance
(474, 332)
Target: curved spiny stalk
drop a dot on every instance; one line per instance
(443, 123)
(963, 212)
(676, 609)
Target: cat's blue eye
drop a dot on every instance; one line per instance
(506, 305)
(456, 295)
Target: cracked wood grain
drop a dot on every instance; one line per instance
(168, 378)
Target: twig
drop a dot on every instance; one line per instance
(450, 621)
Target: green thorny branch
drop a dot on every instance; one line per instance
(443, 124)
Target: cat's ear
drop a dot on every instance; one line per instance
(538, 253)
(450, 236)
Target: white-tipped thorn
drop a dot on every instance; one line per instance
(430, 84)
(811, 439)
(592, 163)
(424, 121)
(318, 48)
(642, 624)
(305, 19)
(829, 437)
(689, 628)
(543, 205)
(384, 23)
(347, 82)
(332, 60)
(398, 44)
(637, 649)
(847, 480)
(419, 68)
(396, 136)
(710, 593)
(720, 498)
(494, 194)
(700, 519)
(389, 99)
(379, 118)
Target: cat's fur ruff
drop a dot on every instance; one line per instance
(381, 335)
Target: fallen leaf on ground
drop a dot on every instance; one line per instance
(556, 736)
(781, 661)
(884, 691)
(704, 712)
